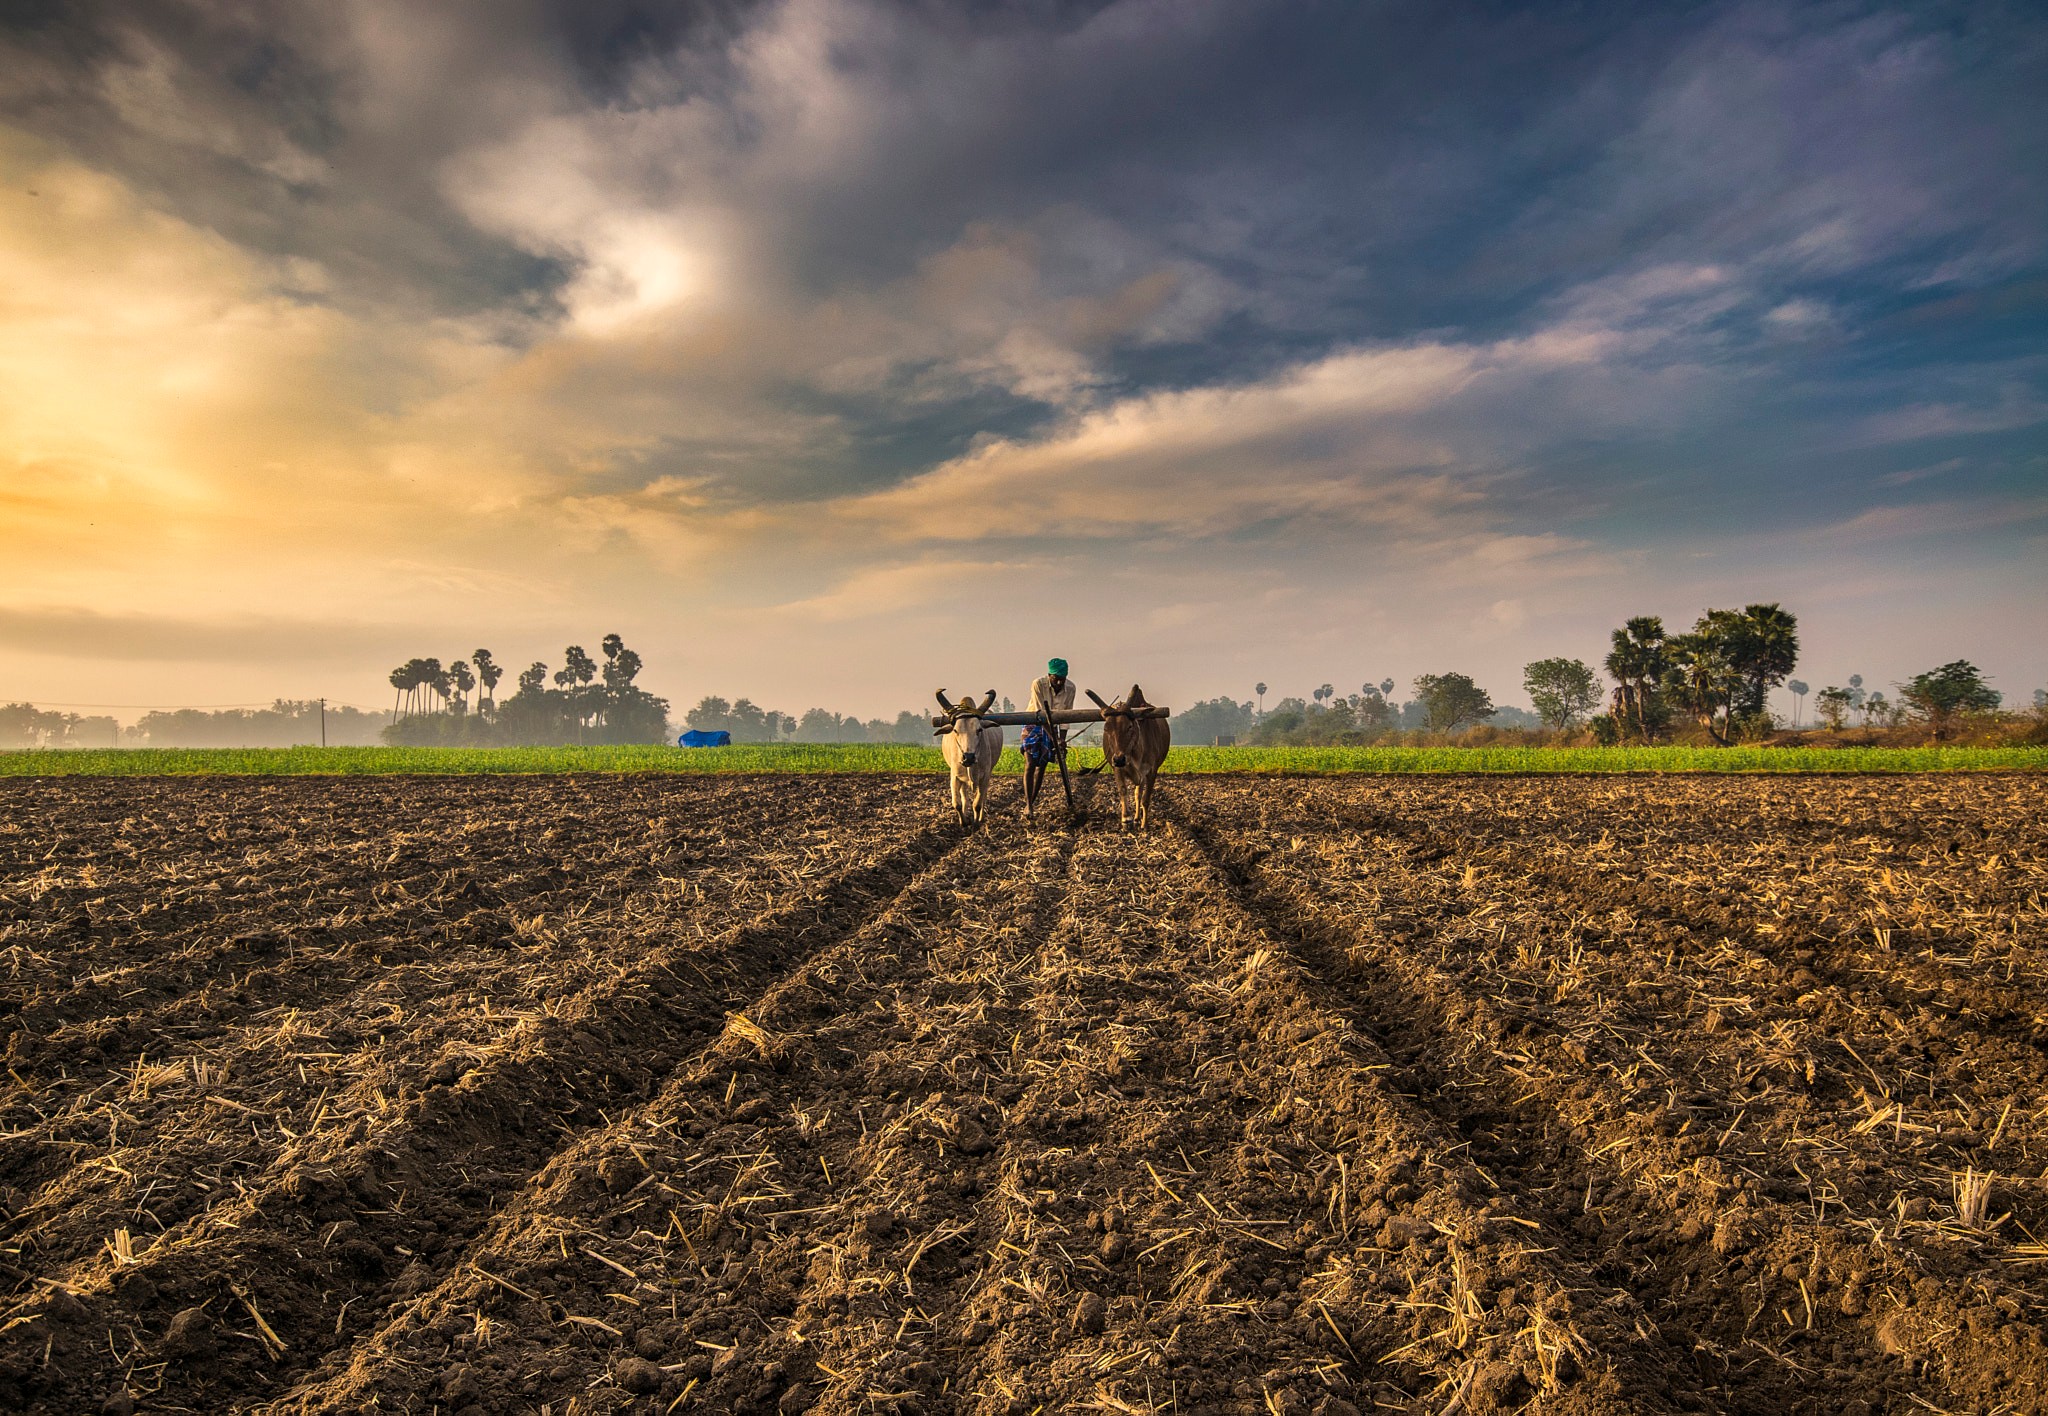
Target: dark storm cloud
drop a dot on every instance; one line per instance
(921, 226)
(305, 131)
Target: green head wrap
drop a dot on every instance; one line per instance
(1056, 667)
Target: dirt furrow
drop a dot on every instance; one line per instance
(153, 1117)
(752, 1200)
(679, 1095)
(1766, 1043)
(373, 905)
(349, 1212)
(1776, 1295)
(1835, 1019)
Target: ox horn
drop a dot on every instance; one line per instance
(944, 702)
(988, 702)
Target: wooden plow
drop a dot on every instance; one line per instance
(1051, 719)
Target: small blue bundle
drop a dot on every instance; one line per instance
(698, 737)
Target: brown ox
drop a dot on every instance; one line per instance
(1134, 747)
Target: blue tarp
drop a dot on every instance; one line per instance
(696, 737)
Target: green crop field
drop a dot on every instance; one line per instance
(377, 761)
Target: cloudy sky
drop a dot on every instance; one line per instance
(832, 350)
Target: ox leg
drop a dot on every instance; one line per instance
(1145, 805)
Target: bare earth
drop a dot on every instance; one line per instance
(608, 1094)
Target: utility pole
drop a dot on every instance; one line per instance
(323, 722)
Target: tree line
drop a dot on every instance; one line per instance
(588, 702)
(287, 722)
(1720, 673)
(1712, 681)
(1443, 703)
(25, 725)
(747, 721)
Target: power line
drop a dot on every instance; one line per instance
(194, 707)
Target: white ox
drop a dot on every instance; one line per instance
(972, 748)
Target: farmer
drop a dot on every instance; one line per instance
(1053, 690)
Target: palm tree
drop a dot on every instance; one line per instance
(1325, 692)
(434, 678)
(401, 683)
(578, 669)
(488, 673)
(1636, 663)
(1713, 683)
(412, 676)
(1769, 650)
(620, 666)
(1798, 691)
(1386, 687)
(1262, 699)
(463, 681)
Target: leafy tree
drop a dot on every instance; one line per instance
(1876, 711)
(823, 725)
(1452, 700)
(1831, 706)
(1563, 690)
(1941, 697)
(1798, 691)
(25, 725)
(1638, 662)
(1214, 718)
(746, 720)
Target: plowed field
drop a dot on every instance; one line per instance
(1442, 1095)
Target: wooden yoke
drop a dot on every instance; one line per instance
(1060, 717)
